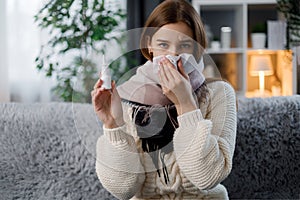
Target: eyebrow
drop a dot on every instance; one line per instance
(162, 40)
(186, 40)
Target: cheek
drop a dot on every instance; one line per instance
(159, 52)
(190, 51)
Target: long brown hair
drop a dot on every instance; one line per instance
(174, 11)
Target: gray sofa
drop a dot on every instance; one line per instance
(47, 151)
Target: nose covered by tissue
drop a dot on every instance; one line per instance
(191, 67)
(188, 61)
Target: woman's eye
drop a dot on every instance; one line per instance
(163, 45)
(185, 46)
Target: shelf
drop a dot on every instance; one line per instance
(264, 51)
(233, 63)
(218, 2)
(224, 51)
(231, 16)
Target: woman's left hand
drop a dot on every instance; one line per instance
(176, 86)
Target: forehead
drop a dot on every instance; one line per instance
(175, 31)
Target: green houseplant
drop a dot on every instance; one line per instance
(291, 11)
(258, 35)
(77, 28)
(259, 28)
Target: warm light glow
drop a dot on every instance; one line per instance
(261, 83)
(261, 65)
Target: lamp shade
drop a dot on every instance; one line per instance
(261, 63)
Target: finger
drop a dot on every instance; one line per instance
(113, 85)
(115, 91)
(99, 95)
(162, 75)
(165, 84)
(98, 84)
(167, 68)
(92, 93)
(97, 92)
(181, 69)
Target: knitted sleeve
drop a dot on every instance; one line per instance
(204, 147)
(118, 164)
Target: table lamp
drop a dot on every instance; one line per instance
(261, 65)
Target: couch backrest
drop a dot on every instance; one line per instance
(48, 151)
(266, 163)
(45, 153)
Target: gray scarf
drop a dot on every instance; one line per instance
(154, 114)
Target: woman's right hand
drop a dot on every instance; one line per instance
(107, 105)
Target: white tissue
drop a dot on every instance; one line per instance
(173, 60)
(188, 61)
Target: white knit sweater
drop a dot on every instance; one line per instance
(202, 157)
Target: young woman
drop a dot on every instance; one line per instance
(168, 132)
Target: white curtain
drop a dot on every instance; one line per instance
(24, 39)
(4, 91)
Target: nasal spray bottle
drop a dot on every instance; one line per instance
(105, 74)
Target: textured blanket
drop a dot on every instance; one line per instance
(47, 151)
